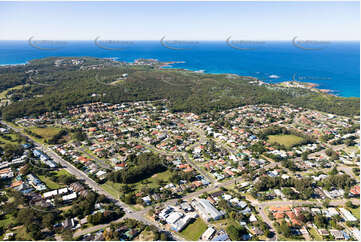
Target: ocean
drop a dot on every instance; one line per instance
(332, 65)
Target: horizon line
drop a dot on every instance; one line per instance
(308, 39)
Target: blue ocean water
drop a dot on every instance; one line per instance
(335, 66)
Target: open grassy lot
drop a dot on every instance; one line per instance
(53, 185)
(287, 140)
(194, 230)
(46, 133)
(112, 188)
(153, 182)
(49, 183)
(62, 172)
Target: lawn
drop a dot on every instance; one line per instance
(62, 172)
(356, 212)
(153, 182)
(49, 183)
(53, 185)
(112, 188)
(314, 234)
(194, 230)
(287, 140)
(46, 133)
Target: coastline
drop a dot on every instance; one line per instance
(169, 65)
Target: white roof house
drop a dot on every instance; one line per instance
(347, 215)
(63, 190)
(173, 217)
(50, 194)
(332, 212)
(252, 218)
(69, 197)
(208, 233)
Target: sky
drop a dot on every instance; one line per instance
(179, 20)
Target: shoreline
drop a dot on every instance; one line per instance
(168, 65)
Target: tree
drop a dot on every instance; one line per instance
(349, 204)
(285, 229)
(235, 232)
(326, 203)
(48, 220)
(304, 156)
(334, 171)
(129, 199)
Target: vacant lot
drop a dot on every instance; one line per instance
(51, 184)
(194, 230)
(154, 181)
(287, 140)
(46, 133)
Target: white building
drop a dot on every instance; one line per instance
(347, 215)
(207, 235)
(206, 210)
(69, 197)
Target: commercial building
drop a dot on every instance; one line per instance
(206, 210)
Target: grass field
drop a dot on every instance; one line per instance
(153, 182)
(112, 188)
(53, 185)
(287, 140)
(47, 132)
(62, 172)
(49, 183)
(194, 230)
(222, 223)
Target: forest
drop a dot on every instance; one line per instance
(45, 86)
